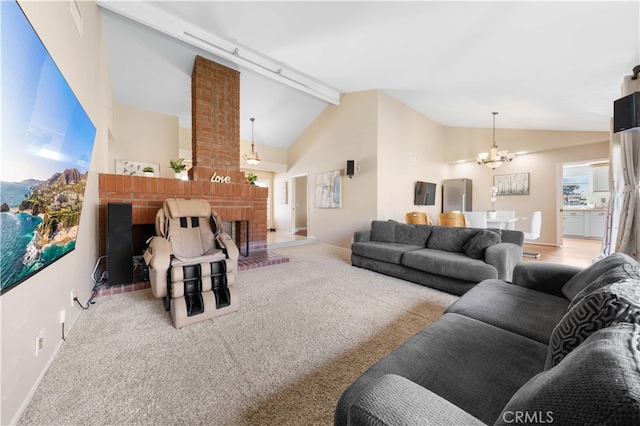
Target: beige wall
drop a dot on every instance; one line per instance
(545, 187)
(146, 136)
(410, 148)
(36, 303)
(341, 132)
(395, 146)
(465, 143)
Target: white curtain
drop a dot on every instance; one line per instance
(628, 239)
(616, 184)
(622, 232)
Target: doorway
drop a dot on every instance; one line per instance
(299, 205)
(585, 196)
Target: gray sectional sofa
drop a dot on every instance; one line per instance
(558, 345)
(447, 258)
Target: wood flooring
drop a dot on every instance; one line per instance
(574, 251)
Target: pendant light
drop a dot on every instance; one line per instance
(252, 157)
(494, 158)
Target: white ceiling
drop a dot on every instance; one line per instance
(542, 65)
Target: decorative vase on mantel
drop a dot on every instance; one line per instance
(491, 215)
(177, 167)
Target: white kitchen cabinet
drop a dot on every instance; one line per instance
(597, 223)
(600, 179)
(573, 223)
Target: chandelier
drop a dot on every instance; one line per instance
(252, 158)
(494, 158)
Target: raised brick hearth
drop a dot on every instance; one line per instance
(255, 260)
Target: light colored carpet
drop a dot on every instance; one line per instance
(305, 330)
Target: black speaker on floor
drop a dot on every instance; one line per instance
(351, 168)
(119, 244)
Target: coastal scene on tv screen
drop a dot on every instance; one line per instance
(46, 144)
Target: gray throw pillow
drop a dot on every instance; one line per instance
(596, 384)
(613, 303)
(415, 235)
(383, 231)
(588, 275)
(450, 238)
(476, 246)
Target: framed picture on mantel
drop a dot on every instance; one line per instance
(135, 168)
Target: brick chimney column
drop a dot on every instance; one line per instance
(215, 121)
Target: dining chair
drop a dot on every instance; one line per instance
(417, 218)
(476, 219)
(534, 232)
(452, 219)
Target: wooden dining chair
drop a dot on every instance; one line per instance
(417, 218)
(453, 219)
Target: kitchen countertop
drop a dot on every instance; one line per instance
(583, 209)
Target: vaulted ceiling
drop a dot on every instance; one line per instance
(542, 65)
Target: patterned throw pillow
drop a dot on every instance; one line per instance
(613, 303)
(619, 273)
(588, 275)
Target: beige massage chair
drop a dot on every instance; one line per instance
(192, 264)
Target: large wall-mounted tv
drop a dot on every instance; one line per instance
(425, 194)
(46, 145)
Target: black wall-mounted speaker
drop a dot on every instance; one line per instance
(351, 168)
(119, 244)
(626, 113)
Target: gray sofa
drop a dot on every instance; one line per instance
(558, 345)
(447, 258)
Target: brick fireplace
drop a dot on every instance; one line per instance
(215, 96)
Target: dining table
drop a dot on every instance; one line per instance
(503, 222)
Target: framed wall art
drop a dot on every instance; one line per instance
(512, 184)
(328, 190)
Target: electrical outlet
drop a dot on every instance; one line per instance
(63, 316)
(39, 341)
(73, 296)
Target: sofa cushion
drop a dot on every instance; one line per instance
(415, 235)
(477, 245)
(383, 231)
(394, 400)
(454, 265)
(450, 238)
(597, 383)
(591, 273)
(617, 302)
(386, 252)
(473, 365)
(527, 312)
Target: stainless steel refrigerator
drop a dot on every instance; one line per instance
(456, 195)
